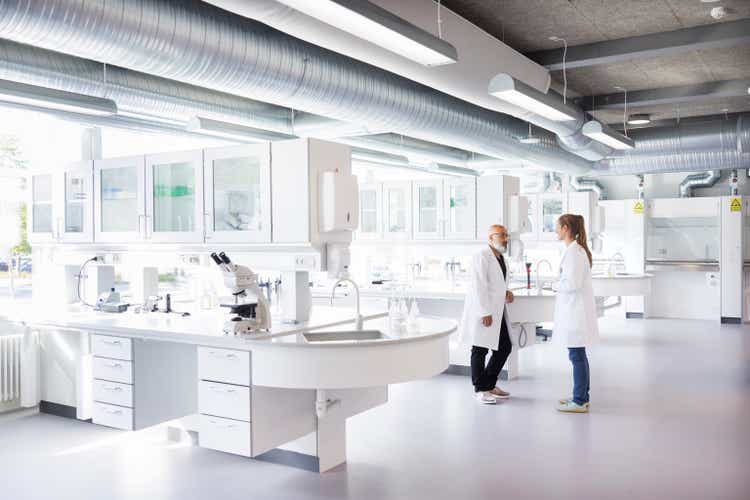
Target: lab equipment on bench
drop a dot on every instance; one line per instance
(249, 315)
(110, 302)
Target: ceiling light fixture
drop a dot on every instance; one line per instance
(639, 119)
(606, 135)
(233, 131)
(507, 88)
(43, 97)
(377, 25)
(529, 139)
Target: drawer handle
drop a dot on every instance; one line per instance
(116, 389)
(219, 389)
(226, 426)
(220, 355)
(114, 365)
(111, 342)
(114, 412)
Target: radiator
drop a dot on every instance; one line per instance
(10, 367)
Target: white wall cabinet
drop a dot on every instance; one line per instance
(460, 208)
(550, 206)
(75, 221)
(174, 197)
(427, 211)
(120, 200)
(237, 190)
(370, 212)
(397, 207)
(42, 219)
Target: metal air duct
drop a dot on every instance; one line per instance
(197, 43)
(588, 184)
(702, 180)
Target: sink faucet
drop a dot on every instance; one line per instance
(614, 263)
(358, 318)
(538, 264)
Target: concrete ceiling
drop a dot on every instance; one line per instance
(526, 25)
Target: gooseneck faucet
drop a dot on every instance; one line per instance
(358, 318)
(538, 264)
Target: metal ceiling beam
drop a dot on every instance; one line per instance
(709, 36)
(668, 95)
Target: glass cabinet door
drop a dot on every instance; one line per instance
(370, 223)
(174, 197)
(460, 208)
(237, 190)
(397, 203)
(428, 216)
(77, 203)
(41, 214)
(120, 211)
(551, 207)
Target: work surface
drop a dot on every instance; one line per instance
(669, 420)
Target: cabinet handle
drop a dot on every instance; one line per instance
(227, 426)
(114, 365)
(220, 355)
(111, 342)
(114, 412)
(115, 389)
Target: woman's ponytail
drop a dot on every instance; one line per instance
(577, 227)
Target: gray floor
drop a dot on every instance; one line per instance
(670, 420)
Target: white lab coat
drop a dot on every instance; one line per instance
(575, 309)
(485, 296)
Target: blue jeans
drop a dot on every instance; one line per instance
(581, 380)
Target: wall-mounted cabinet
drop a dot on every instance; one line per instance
(237, 184)
(120, 200)
(427, 212)
(460, 212)
(174, 197)
(550, 206)
(370, 212)
(397, 206)
(60, 208)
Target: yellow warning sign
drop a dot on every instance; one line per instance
(638, 207)
(735, 205)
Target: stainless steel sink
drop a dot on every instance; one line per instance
(347, 336)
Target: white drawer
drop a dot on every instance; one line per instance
(114, 393)
(229, 436)
(224, 365)
(114, 370)
(224, 400)
(111, 347)
(113, 416)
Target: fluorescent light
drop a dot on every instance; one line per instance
(507, 88)
(43, 97)
(639, 119)
(377, 25)
(607, 135)
(233, 131)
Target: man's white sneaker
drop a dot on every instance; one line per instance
(486, 398)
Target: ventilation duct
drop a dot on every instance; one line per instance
(196, 43)
(702, 180)
(687, 162)
(587, 184)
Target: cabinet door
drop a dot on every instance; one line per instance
(42, 224)
(119, 200)
(533, 220)
(370, 212)
(237, 190)
(76, 203)
(551, 207)
(397, 210)
(428, 209)
(174, 197)
(460, 209)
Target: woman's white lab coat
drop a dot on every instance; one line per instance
(575, 310)
(485, 296)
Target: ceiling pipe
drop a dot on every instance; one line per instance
(668, 163)
(702, 180)
(199, 44)
(588, 184)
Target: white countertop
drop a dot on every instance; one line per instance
(206, 328)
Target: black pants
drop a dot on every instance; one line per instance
(484, 377)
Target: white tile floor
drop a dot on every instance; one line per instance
(670, 420)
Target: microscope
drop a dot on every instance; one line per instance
(248, 316)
